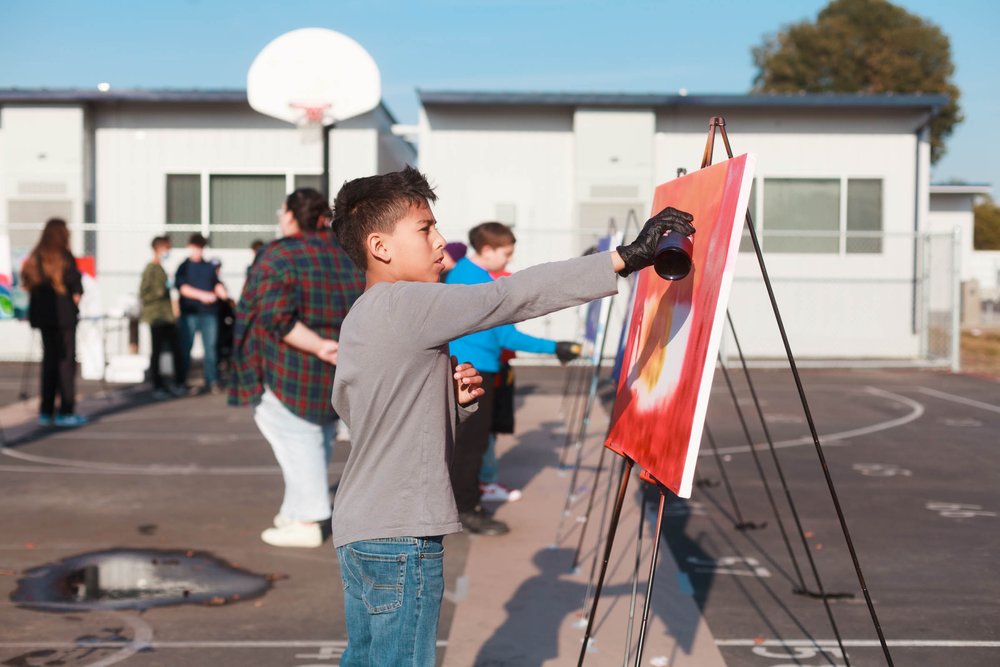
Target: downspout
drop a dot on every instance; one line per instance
(920, 131)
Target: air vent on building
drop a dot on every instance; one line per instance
(41, 188)
(614, 191)
(506, 213)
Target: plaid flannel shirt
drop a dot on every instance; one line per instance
(304, 278)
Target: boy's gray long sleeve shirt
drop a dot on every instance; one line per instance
(395, 391)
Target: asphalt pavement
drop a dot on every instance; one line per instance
(912, 455)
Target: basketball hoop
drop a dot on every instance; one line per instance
(313, 76)
(311, 113)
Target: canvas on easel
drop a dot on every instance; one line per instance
(676, 327)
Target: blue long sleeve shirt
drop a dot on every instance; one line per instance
(482, 349)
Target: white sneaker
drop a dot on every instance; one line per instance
(280, 521)
(496, 492)
(294, 534)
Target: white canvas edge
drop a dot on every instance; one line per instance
(715, 340)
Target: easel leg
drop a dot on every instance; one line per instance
(573, 417)
(652, 573)
(590, 507)
(635, 582)
(612, 529)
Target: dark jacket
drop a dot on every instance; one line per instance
(50, 310)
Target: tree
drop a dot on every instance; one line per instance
(868, 46)
(986, 231)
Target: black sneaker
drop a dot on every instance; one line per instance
(478, 522)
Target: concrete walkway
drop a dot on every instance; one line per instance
(522, 605)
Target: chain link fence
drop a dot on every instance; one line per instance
(872, 286)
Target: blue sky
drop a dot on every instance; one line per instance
(541, 45)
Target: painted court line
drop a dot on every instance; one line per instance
(334, 644)
(146, 469)
(860, 643)
(916, 412)
(958, 399)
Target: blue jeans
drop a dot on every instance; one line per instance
(392, 598)
(488, 471)
(208, 325)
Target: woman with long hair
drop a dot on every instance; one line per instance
(50, 275)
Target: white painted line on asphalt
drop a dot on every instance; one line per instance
(861, 643)
(155, 644)
(64, 465)
(916, 412)
(138, 469)
(959, 399)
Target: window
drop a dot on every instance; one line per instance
(243, 200)
(806, 215)
(314, 181)
(801, 215)
(183, 205)
(746, 243)
(864, 214)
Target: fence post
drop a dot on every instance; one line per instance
(956, 310)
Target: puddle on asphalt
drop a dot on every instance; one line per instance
(137, 579)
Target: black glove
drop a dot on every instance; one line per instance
(567, 350)
(639, 253)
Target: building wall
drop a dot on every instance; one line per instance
(108, 163)
(42, 166)
(477, 163)
(564, 168)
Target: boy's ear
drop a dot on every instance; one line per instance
(377, 247)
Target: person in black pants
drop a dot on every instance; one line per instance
(158, 312)
(54, 283)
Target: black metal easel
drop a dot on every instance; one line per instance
(718, 123)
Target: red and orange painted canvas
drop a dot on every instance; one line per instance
(676, 327)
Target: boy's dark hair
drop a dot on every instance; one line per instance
(257, 244)
(197, 239)
(159, 242)
(493, 234)
(375, 204)
(309, 208)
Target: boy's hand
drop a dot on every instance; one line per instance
(567, 351)
(468, 382)
(328, 351)
(639, 253)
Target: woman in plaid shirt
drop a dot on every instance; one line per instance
(284, 350)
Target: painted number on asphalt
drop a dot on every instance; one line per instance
(691, 507)
(881, 470)
(958, 510)
(735, 565)
(798, 653)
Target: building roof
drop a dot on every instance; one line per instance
(768, 100)
(156, 96)
(961, 189)
(35, 95)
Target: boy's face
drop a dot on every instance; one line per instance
(495, 260)
(414, 251)
(195, 252)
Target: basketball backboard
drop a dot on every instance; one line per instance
(313, 76)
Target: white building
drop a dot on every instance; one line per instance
(841, 200)
(124, 166)
(840, 203)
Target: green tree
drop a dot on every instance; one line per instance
(868, 46)
(986, 233)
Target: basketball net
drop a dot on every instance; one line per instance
(310, 122)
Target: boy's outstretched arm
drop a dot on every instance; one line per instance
(437, 314)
